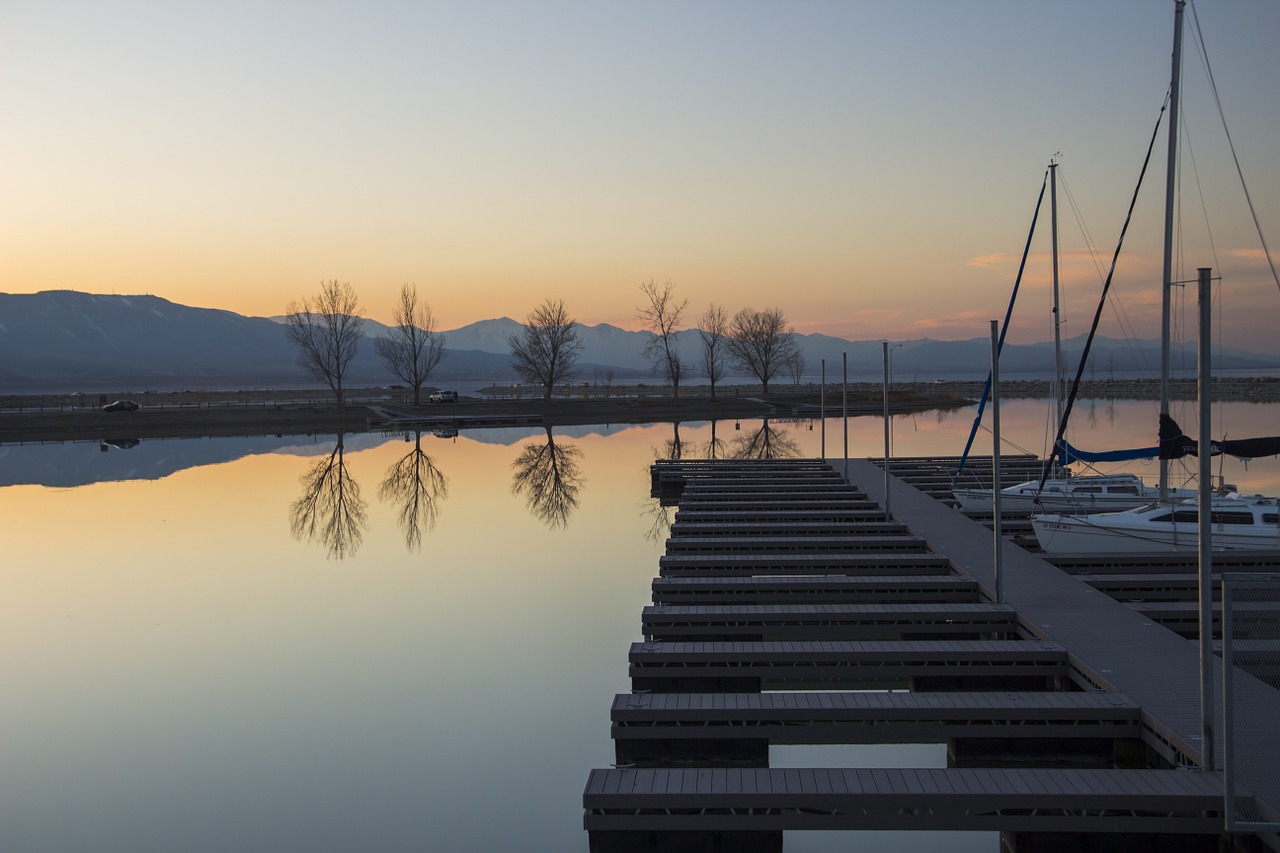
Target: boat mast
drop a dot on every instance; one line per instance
(1166, 290)
(1058, 379)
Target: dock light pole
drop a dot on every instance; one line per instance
(884, 367)
(888, 433)
(1205, 523)
(822, 407)
(844, 383)
(995, 460)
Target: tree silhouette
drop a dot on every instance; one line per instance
(549, 475)
(417, 487)
(713, 335)
(661, 315)
(327, 332)
(330, 510)
(547, 347)
(414, 348)
(765, 442)
(762, 343)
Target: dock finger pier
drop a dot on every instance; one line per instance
(789, 608)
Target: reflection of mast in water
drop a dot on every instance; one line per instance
(417, 486)
(549, 476)
(765, 442)
(330, 510)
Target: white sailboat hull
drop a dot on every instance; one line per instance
(1074, 495)
(1239, 524)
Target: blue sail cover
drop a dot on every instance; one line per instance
(1068, 454)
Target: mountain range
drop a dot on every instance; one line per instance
(68, 340)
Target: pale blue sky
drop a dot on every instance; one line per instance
(868, 166)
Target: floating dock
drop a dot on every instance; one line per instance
(1070, 708)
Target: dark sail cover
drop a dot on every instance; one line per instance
(1175, 445)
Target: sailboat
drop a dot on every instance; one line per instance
(1064, 492)
(1240, 523)
(1237, 522)
(1089, 493)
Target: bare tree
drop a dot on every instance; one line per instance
(761, 342)
(661, 316)
(795, 366)
(713, 332)
(414, 348)
(327, 331)
(544, 352)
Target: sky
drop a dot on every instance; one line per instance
(870, 168)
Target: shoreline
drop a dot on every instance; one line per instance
(72, 417)
(232, 413)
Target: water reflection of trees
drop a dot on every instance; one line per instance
(764, 442)
(417, 487)
(330, 510)
(715, 447)
(660, 517)
(549, 476)
(674, 447)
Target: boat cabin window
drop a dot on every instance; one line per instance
(1232, 518)
(1190, 516)
(1092, 490)
(1270, 518)
(1123, 490)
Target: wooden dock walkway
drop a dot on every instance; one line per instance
(786, 589)
(851, 664)
(1060, 729)
(823, 589)
(1032, 800)
(915, 621)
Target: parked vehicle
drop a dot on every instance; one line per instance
(443, 397)
(121, 406)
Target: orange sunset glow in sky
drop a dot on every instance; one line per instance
(870, 167)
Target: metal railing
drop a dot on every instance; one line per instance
(1251, 696)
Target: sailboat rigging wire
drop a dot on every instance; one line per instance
(1185, 137)
(1213, 87)
(1117, 306)
(1097, 314)
(1084, 231)
(1008, 312)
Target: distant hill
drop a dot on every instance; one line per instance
(69, 340)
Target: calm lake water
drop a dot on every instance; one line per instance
(271, 644)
